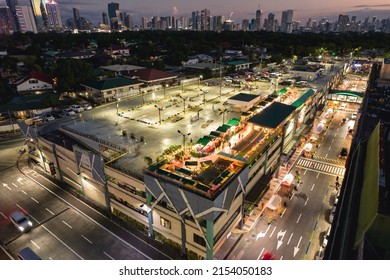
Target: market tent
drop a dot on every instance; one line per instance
(287, 180)
(274, 202)
(308, 147)
(320, 127)
(233, 122)
(204, 140)
(223, 128)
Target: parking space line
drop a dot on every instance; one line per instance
(23, 191)
(35, 200)
(49, 211)
(35, 244)
(1, 213)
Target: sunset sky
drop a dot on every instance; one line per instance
(303, 9)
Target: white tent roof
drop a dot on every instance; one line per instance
(320, 127)
(274, 202)
(287, 180)
(308, 147)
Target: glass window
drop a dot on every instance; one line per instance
(165, 223)
(199, 240)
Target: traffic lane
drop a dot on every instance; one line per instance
(89, 239)
(44, 243)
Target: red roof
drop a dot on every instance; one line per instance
(38, 76)
(150, 75)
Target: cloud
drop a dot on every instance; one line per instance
(372, 6)
(175, 11)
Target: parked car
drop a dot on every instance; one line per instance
(87, 106)
(354, 115)
(49, 117)
(21, 222)
(76, 108)
(58, 114)
(301, 84)
(69, 112)
(332, 213)
(343, 152)
(285, 83)
(326, 237)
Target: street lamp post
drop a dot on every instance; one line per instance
(184, 103)
(159, 112)
(200, 78)
(117, 106)
(184, 143)
(223, 111)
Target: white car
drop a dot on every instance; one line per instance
(326, 237)
(331, 216)
(353, 117)
(20, 221)
(69, 112)
(49, 117)
(87, 106)
(76, 108)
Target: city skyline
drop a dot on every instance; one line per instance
(245, 9)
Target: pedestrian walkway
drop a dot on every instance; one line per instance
(321, 166)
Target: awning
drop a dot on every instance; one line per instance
(233, 122)
(274, 202)
(223, 128)
(204, 140)
(215, 133)
(287, 180)
(308, 147)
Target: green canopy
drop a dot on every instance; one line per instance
(282, 91)
(223, 128)
(204, 140)
(233, 122)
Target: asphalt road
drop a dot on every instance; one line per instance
(302, 226)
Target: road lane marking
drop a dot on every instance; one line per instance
(288, 242)
(258, 258)
(299, 217)
(304, 173)
(35, 244)
(23, 191)
(16, 186)
(337, 129)
(67, 224)
(326, 155)
(5, 185)
(49, 211)
(318, 175)
(262, 234)
(312, 187)
(87, 239)
(108, 255)
(296, 248)
(307, 199)
(292, 196)
(330, 147)
(50, 258)
(332, 141)
(283, 212)
(35, 200)
(281, 258)
(20, 181)
(1, 213)
(272, 232)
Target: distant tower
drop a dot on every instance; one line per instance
(53, 15)
(76, 18)
(286, 23)
(39, 12)
(26, 19)
(113, 11)
(7, 21)
(105, 18)
(259, 16)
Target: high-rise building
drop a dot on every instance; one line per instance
(342, 23)
(205, 20)
(128, 22)
(12, 5)
(113, 11)
(245, 25)
(7, 21)
(26, 19)
(144, 23)
(53, 15)
(259, 16)
(286, 23)
(76, 18)
(39, 11)
(104, 18)
(270, 22)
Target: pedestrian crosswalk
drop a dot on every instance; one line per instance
(321, 167)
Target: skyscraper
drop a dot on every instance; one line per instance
(53, 15)
(270, 22)
(26, 19)
(76, 18)
(259, 15)
(39, 11)
(105, 18)
(113, 11)
(286, 23)
(7, 21)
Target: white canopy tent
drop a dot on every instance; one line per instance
(287, 180)
(308, 147)
(274, 202)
